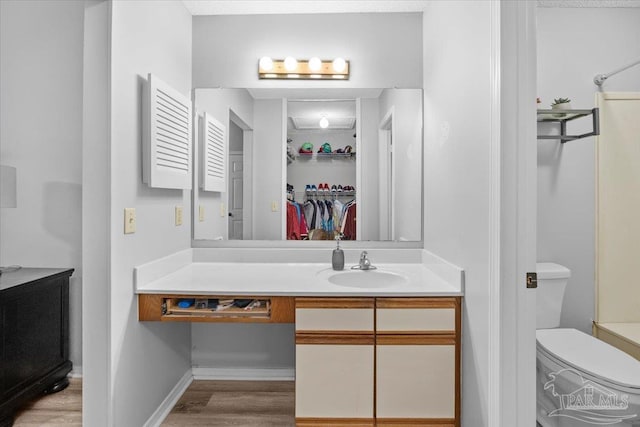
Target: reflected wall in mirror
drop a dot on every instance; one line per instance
(285, 171)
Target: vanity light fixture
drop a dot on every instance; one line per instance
(266, 63)
(290, 64)
(314, 68)
(315, 64)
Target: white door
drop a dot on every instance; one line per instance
(236, 183)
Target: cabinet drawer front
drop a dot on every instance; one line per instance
(415, 319)
(334, 319)
(415, 381)
(334, 381)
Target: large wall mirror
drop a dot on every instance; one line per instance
(308, 164)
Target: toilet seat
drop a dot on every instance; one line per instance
(588, 355)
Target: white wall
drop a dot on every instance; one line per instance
(457, 168)
(384, 49)
(575, 44)
(147, 359)
(218, 103)
(268, 167)
(369, 189)
(406, 107)
(96, 190)
(41, 55)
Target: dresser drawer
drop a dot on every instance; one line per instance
(334, 314)
(415, 315)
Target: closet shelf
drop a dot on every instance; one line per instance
(326, 155)
(562, 117)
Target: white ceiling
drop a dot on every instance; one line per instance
(257, 7)
(588, 3)
(336, 112)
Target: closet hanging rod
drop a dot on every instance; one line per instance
(600, 78)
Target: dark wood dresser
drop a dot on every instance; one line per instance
(34, 336)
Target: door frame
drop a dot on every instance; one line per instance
(386, 133)
(512, 370)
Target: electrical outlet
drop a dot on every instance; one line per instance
(178, 215)
(129, 220)
(274, 206)
(201, 213)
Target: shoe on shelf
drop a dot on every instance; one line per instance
(339, 188)
(334, 189)
(313, 188)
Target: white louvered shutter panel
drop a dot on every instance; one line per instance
(214, 155)
(166, 136)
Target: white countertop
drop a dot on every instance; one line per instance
(290, 279)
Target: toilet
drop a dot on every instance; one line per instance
(580, 380)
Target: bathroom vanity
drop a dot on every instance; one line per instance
(377, 347)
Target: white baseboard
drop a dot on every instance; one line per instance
(241, 374)
(76, 372)
(170, 401)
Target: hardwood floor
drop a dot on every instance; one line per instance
(235, 403)
(55, 410)
(204, 403)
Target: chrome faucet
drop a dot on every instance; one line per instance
(365, 263)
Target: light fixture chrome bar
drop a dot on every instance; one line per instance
(600, 78)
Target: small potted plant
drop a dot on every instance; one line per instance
(561, 104)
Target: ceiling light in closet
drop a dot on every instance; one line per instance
(324, 123)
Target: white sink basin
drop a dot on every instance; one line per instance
(366, 279)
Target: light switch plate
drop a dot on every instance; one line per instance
(129, 220)
(201, 213)
(222, 210)
(274, 206)
(178, 215)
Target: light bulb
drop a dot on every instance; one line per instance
(290, 64)
(324, 123)
(266, 63)
(315, 64)
(339, 65)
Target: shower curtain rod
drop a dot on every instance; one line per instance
(600, 78)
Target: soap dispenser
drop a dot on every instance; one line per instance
(337, 259)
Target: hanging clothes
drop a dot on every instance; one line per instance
(293, 224)
(348, 227)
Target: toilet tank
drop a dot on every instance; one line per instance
(552, 282)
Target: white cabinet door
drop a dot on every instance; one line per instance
(415, 381)
(335, 361)
(334, 381)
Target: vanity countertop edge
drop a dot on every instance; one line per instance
(426, 275)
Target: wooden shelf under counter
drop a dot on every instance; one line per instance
(164, 308)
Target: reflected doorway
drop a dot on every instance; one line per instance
(387, 177)
(239, 188)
